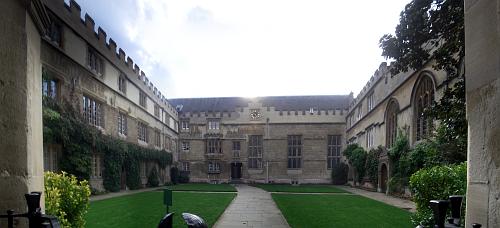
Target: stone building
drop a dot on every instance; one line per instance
(392, 104)
(290, 139)
(113, 94)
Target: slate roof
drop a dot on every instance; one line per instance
(282, 103)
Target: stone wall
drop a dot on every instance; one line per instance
(21, 166)
(482, 64)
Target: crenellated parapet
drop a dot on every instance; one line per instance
(85, 27)
(379, 74)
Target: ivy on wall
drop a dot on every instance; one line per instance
(63, 125)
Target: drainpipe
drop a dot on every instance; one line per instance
(267, 172)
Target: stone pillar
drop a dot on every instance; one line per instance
(482, 64)
(21, 153)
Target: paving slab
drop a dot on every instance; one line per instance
(252, 208)
(391, 200)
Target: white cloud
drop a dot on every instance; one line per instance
(199, 48)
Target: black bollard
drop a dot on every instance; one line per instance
(34, 211)
(439, 208)
(456, 208)
(476, 225)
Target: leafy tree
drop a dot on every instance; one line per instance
(434, 30)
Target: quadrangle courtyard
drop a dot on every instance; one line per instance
(251, 206)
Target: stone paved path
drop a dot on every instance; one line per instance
(252, 207)
(391, 200)
(122, 193)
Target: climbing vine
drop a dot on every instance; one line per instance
(63, 125)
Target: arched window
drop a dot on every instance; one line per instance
(424, 95)
(391, 121)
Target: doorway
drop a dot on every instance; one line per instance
(383, 178)
(235, 170)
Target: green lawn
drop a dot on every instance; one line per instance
(203, 187)
(300, 188)
(146, 209)
(339, 211)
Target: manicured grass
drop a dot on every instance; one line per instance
(339, 211)
(300, 188)
(203, 187)
(146, 209)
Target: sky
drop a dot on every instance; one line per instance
(250, 48)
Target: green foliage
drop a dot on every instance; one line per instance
(434, 30)
(64, 125)
(451, 133)
(153, 180)
(174, 175)
(426, 25)
(357, 158)
(436, 183)
(66, 198)
(339, 173)
(372, 162)
(183, 177)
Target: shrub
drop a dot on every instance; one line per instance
(174, 175)
(339, 173)
(66, 198)
(183, 177)
(372, 162)
(153, 180)
(436, 183)
(356, 156)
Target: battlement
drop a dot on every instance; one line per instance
(107, 47)
(382, 70)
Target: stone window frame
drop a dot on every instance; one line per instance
(295, 149)
(51, 154)
(423, 96)
(157, 110)
(370, 101)
(236, 148)
(255, 151)
(95, 62)
(56, 31)
(50, 85)
(157, 142)
(167, 145)
(185, 166)
(122, 123)
(334, 150)
(185, 124)
(185, 146)
(143, 99)
(391, 123)
(93, 111)
(213, 167)
(360, 112)
(213, 146)
(142, 131)
(213, 124)
(370, 137)
(122, 83)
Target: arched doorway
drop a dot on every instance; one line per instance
(383, 178)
